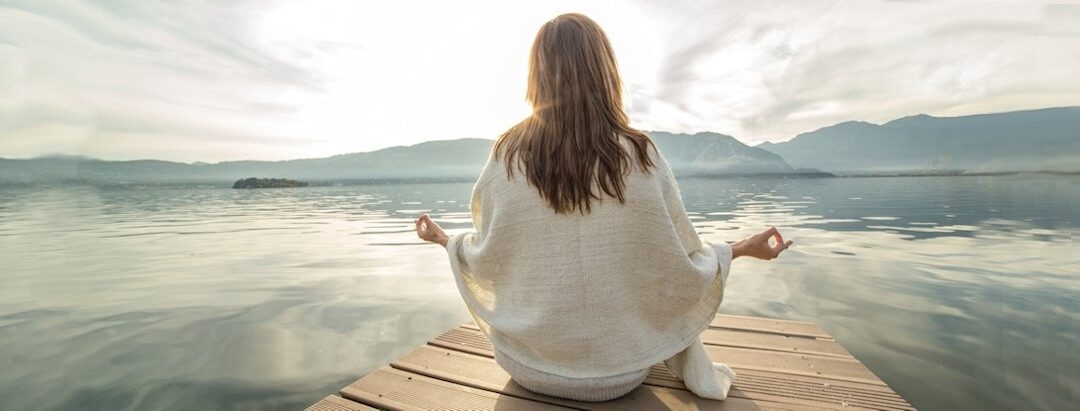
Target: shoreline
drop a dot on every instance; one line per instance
(451, 180)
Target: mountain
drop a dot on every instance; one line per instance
(702, 153)
(1033, 140)
(712, 153)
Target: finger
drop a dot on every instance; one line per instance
(779, 237)
(769, 233)
(780, 247)
(775, 249)
(431, 225)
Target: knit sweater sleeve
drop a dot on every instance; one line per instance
(692, 364)
(691, 240)
(467, 249)
(480, 207)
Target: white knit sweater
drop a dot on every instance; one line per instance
(610, 292)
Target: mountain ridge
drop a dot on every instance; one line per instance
(1028, 140)
(1045, 139)
(699, 154)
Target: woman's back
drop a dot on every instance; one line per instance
(584, 269)
(586, 294)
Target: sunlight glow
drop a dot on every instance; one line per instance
(213, 81)
(393, 76)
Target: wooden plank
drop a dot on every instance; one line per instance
(754, 339)
(837, 397)
(770, 325)
(785, 385)
(469, 370)
(335, 403)
(842, 368)
(484, 373)
(660, 398)
(470, 337)
(789, 378)
(464, 339)
(756, 385)
(781, 365)
(788, 370)
(388, 388)
(773, 342)
(825, 367)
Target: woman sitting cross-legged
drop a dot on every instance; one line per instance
(584, 269)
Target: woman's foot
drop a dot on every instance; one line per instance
(723, 368)
(725, 376)
(714, 385)
(701, 376)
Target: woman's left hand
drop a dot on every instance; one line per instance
(428, 230)
(761, 246)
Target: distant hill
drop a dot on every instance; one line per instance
(712, 153)
(702, 153)
(1033, 140)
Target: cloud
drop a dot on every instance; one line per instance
(101, 72)
(209, 80)
(793, 67)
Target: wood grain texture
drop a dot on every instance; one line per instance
(335, 403)
(482, 372)
(769, 325)
(391, 389)
(844, 368)
(761, 340)
(781, 365)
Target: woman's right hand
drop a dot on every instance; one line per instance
(759, 245)
(428, 230)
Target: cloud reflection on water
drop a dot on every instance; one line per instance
(207, 298)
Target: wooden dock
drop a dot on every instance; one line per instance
(781, 365)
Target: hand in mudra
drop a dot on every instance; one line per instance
(429, 231)
(760, 245)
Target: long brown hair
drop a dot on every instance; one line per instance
(570, 142)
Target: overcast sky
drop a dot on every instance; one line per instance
(224, 80)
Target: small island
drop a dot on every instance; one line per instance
(253, 182)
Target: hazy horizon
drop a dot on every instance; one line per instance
(197, 81)
(63, 154)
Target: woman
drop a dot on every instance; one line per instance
(584, 269)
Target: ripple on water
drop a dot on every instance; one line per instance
(211, 298)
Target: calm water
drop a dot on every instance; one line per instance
(962, 292)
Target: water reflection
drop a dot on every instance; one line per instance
(960, 292)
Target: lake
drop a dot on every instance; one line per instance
(960, 292)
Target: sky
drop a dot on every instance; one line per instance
(271, 80)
